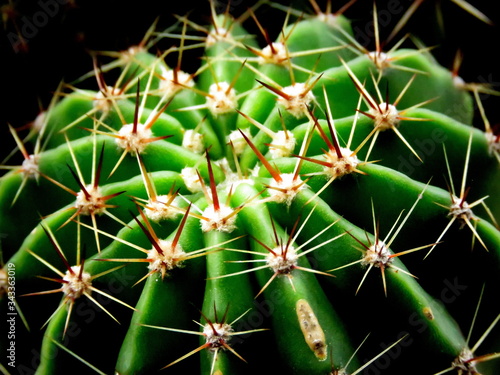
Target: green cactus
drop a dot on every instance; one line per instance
(303, 204)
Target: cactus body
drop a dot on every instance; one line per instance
(281, 204)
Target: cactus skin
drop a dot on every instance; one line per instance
(307, 314)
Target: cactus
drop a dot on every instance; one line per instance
(304, 203)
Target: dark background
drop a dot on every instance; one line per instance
(58, 48)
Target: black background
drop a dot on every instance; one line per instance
(58, 48)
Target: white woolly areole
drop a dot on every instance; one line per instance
(170, 258)
(232, 179)
(285, 190)
(458, 82)
(128, 56)
(341, 165)
(217, 334)
(220, 33)
(239, 143)
(172, 82)
(39, 121)
(299, 98)
(159, 209)
(493, 142)
(464, 362)
(380, 59)
(283, 144)
(377, 255)
(133, 141)
(102, 100)
(221, 98)
(193, 141)
(30, 167)
(273, 55)
(222, 220)
(92, 204)
(386, 116)
(460, 210)
(75, 285)
(191, 179)
(282, 261)
(329, 18)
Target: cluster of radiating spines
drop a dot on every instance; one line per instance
(467, 361)
(337, 161)
(377, 252)
(459, 209)
(385, 115)
(29, 167)
(217, 332)
(283, 258)
(74, 281)
(219, 216)
(89, 200)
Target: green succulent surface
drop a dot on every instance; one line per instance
(302, 204)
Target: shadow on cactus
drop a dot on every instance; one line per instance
(218, 220)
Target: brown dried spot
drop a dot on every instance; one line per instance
(311, 329)
(428, 313)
